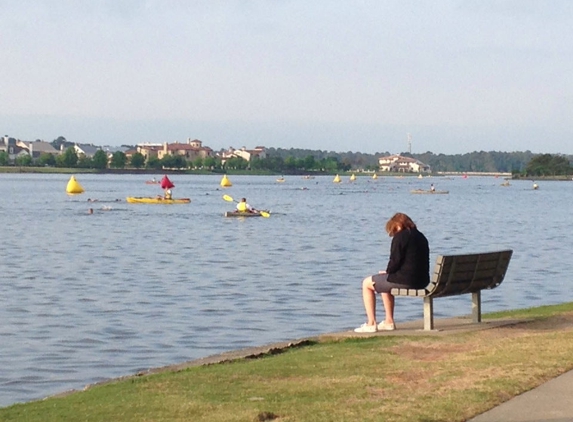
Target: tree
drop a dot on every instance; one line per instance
(290, 163)
(330, 164)
(256, 163)
(4, 158)
(137, 160)
(547, 164)
(180, 162)
(153, 163)
(85, 162)
(236, 163)
(209, 162)
(99, 160)
(46, 159)
(23, 160)
(174, 162)
(198, 162)
(58, 142)
(68, 159)
(309, 162)
(118, 160)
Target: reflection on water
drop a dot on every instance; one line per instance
(85, 298)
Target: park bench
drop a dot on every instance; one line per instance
(459, 274)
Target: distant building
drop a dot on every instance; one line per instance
(249, 154)
(130, 152)
(244, 153)
(149, 150)
(86, 149)
(400, 164)
(10, 146)
(37, 148)
(190, 150)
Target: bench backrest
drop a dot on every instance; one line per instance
(459, 274)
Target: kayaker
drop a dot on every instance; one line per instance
(432, 188)
(243, 206)
(168, 194)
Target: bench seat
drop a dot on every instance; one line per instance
(460, 274)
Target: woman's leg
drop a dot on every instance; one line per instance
(369, 298)
(388, 301)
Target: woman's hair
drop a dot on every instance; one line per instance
(399, 221)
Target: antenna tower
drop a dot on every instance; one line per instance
(409, 143)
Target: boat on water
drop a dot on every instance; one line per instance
(156, 200)
(243, 214)
(431, 192)
(280, 179)
(308, 177)
(152, 182)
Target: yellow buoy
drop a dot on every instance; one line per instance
(337, 179)
(375, 176)
(225, 182)
(353, 177)
(74, 188)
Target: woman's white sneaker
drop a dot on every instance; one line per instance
(386, 327)
(365, 328)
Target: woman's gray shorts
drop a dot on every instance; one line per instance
(382, 285)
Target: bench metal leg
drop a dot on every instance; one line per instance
(428, 313)
(476, 306)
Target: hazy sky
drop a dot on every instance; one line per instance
(459, 76)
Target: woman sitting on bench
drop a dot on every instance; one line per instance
(408, 268)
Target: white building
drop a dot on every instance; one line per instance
(400, 164)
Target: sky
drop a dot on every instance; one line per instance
(358, 75)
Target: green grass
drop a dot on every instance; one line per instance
(389, 378)
(537, 312)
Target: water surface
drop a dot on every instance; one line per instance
(84, 298)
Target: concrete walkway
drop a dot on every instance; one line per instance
(550, 402)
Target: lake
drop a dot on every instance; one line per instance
(85, 298)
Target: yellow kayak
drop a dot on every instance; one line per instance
(155, 200)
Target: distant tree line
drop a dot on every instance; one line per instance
(526, 163)
(296, 161)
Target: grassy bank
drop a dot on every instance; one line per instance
(392, 378)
